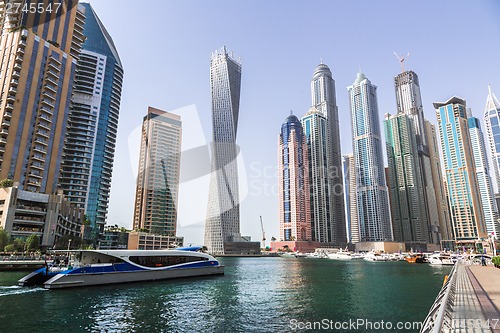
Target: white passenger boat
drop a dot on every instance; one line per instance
(95, 267)
(376, 256)
(340, 255)
(442, 259)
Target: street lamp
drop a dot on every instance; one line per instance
(69, 243)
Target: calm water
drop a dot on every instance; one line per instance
(255, 295)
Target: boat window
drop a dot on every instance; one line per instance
(162, 261)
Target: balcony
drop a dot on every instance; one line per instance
(13, 90)
(19, 59)
(14, 82)
(37, 165)
(9, 106)
(16, 74)
(51, 88)
(44, 125)
(46, 110)
(7, 114)
(17, 66)
(48, 103)
(11, 98)
(6, 123)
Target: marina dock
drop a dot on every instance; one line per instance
(468, 302)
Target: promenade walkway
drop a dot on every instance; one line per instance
(468, 302)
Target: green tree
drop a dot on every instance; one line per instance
(6, 182)
(10, 248)
(4, 238)
(32, 243)
(19, 244)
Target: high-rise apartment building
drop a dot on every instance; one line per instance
(222, 227)
(408, 211)
(315, 126)
(351, 206)
(488, 202)
(324, 101)
(409, 102)
(157, 193)
(93, 123)
(371, 191)
(293, 178)
(38, 53)
(463, 193)
(492, 125)
(442, 218)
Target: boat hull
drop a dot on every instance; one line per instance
(91, 279)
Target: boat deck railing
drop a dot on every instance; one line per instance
(440, 315)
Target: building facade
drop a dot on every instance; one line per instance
(293, 180)
(351, 207)
(93, 123)
(442, 218)
(409, 102)
(49, 216)
(39, 52)
(488, 202)
(492, 125)
(315, 127)
(371, 191)
(156, 198)
(463, 193)
(408, 209)
(223, 211)
(324, 100)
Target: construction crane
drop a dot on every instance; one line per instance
(402, 59)
(263, 234)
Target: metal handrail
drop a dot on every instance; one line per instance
(441, 307)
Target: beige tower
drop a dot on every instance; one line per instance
(39, 53)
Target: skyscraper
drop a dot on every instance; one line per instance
(324, 100)
(492, 124)
(293, 182)
(408, 211)
(488, 202)
(157, 190)
(371, 191)
(39, 53)
(315, 127)
(93, 123)
(351, 206)
(223, 211)
(409, 102)
(463, 193)
(443, 214)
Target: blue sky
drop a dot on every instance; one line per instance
(165, 47)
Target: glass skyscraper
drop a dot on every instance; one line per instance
(463, 194)
(488, 202)
(223, 211)
(371, 191)
(315, 126)
(409, 102)
(93, 123)
(156, 198)
(408, 210)
(492, 124)
(324, 100)
(293, 182)
(39, 53)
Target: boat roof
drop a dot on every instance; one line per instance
(147, 253)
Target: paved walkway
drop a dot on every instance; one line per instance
(486, 284)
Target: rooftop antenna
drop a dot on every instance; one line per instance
(291, 112)
(489, 89)
(321, 60)
(401, 60)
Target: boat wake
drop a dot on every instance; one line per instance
(16, 290)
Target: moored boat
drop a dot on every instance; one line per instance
(442, 259)
(96, 267)
(376, 256)
(415, 258)
(340, 255)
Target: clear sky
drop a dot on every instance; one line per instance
(165, 47)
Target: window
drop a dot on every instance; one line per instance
(163, 261)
